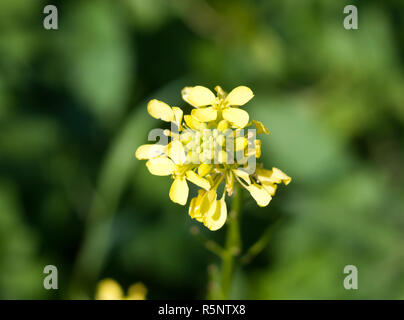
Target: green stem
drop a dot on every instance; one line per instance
(233, 242)
(211, 245)
(259, 245)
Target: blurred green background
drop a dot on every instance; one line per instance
(73, 112)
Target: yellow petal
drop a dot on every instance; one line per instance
(278, 176)
(243, 175)
(208, 201)
(261, 128)
(179, 191)
(236, 116)
(160, 110)
(193, 123)
(215, 219)
(269, 187)
(160, 166)
(256, 152)
(258, 148)
(260, 195)
(204, 169)
(205, 114)
(198, 180)
(192, 207)
(109, 289)
(264, 175)
(272, 176)
(195, 205)
(186, 136)
(239, 96)
(241, 143)
(176, 152)
(137, 291)
(148, 151)
(198, 96)
(178, 113)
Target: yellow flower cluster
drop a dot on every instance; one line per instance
(209, 147)
(109, 289)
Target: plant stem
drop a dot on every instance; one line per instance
(233, 242)
(260, 244)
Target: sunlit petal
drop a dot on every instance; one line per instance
(273, 176)
(260, 195)
(198, 96)
(215, 219)
(193, 123)
(198, 180)
(148, 151)
(160, 110)
(178, 114)
(269, 187)
(279, 176)
(204, 169)
(208, 201)
(258, 148)
(205, 114)
(176, 152)
(255, 152)
(243, 175)
(179, 191)
(195, 205)
(237, 117)
(264, 174)
(239, 96)
(160, 166)
(241, 143)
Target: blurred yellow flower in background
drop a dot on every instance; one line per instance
(109, 289)
(208, 147)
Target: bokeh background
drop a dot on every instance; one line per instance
(73, 112)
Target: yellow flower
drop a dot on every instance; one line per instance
(109, 289)
(209, 107)
(208, 147)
